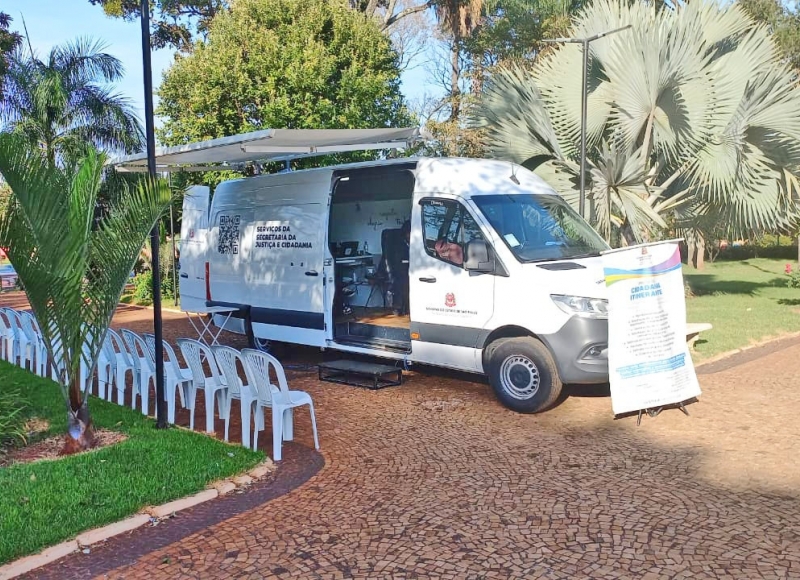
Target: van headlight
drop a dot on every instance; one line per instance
(587, 307)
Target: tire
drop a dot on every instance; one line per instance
(523, 374)
(261, 344)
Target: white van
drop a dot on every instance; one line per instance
(498, 274)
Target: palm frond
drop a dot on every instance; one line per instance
(691, 112)
(73, 267)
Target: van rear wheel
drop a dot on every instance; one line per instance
(254, 342)
(523, 374)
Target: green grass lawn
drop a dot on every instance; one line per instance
(746, 301)
(47, 502)
(165, 302)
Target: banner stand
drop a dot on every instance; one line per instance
(650, 366)
(657, 411)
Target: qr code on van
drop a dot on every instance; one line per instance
(228, 234)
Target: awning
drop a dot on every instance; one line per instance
(268, 145)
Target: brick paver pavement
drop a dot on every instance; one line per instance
(435, 480)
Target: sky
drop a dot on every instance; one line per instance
(53, 22)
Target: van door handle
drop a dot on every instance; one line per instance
(184, 275)
(428, 279)
(312, 273)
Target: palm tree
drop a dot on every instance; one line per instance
(693, 121)
(73, 266)
(458, 19)
(66, 101)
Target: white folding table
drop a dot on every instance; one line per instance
(204, 328)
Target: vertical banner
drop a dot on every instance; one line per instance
(649, 362)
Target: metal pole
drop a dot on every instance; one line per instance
(149, 126)
(584, 99)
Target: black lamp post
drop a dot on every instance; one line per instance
(585, 43)
(161, 404)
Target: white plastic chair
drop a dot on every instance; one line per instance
(214, 387)
(124, 364)
(55, 368)
(22, 351)
(106, 370)
(279, 399)
(175, 377)
(6, 335)
(226, 358)
(31, 329)
(144, 366)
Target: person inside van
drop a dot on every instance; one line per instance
(449, 251)
(401, 281)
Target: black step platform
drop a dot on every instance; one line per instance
(360, 374)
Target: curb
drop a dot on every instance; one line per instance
(149, 515)
(163, 309)
(730, 353)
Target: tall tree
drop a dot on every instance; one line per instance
(67, 100)
(782, 20)
(692, 118)
(505, 32)
(9, 41)
(174, 22)
(73, 267)
(458, 19)
(299, 64)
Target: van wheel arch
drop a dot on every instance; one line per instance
(492, 340)
(263, 345)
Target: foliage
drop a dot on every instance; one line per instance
(794, 277)
(9, 41)
(173, 22)
(67, 100)
(12, 416)
(143, 287)
(748, 251)
(692, 117)
(73, 266)
(745, 301)
(783, 20)
(298, 64)
(47, 502)
(507, 32)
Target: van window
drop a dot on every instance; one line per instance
(447, 228)
(540, 227)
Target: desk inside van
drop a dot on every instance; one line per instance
(355, 260)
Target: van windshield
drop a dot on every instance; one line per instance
(540, 227)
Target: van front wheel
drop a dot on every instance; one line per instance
(523, 374)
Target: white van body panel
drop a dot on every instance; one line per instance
(193, 248)
(452, 318)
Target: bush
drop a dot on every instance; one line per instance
(750, 251)
(12, 418)
(794, 277)
(143, 288)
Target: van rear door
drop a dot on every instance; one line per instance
(193, 247)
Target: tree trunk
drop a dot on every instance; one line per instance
(627, 233)
(455, 75)
(80, 433)
(697, 251)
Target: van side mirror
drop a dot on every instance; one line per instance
(479, 257)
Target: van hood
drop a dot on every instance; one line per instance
(579, 277)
